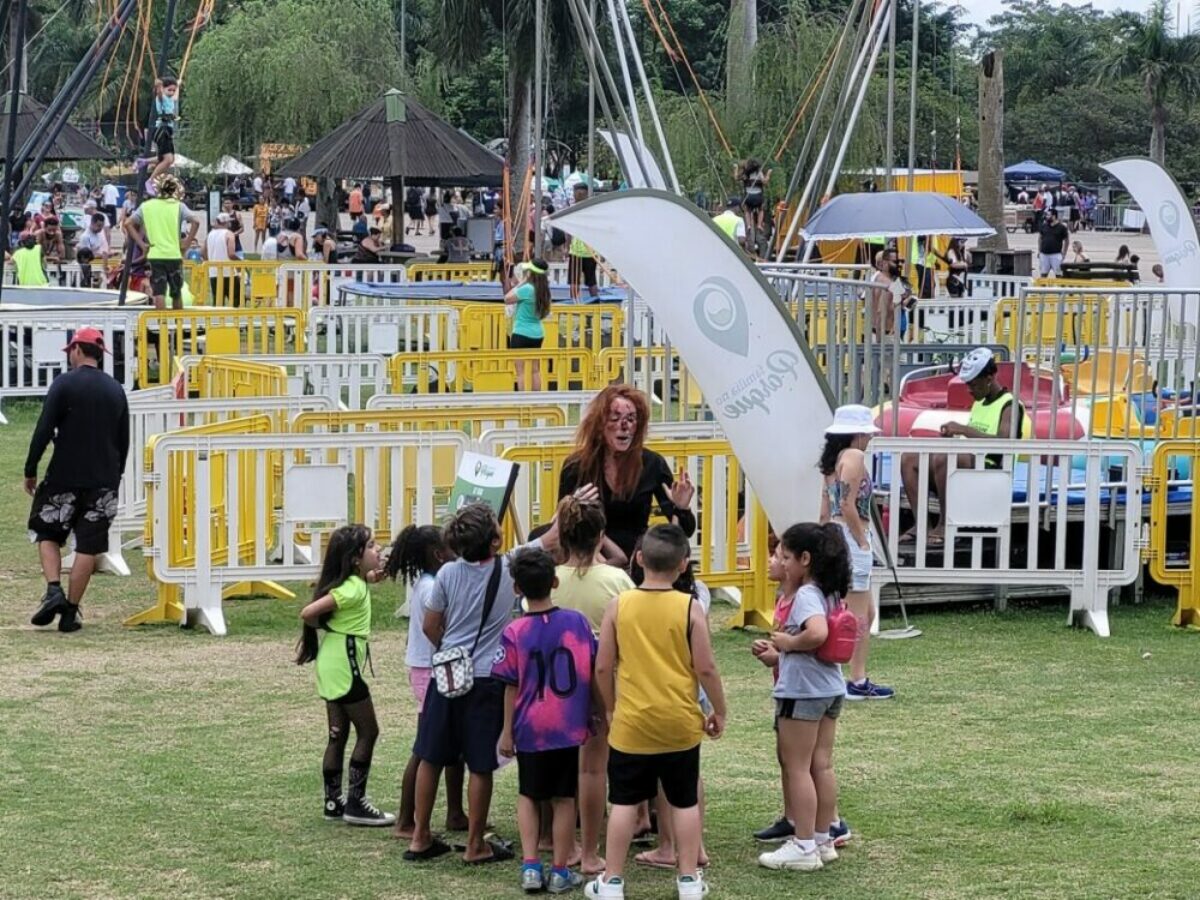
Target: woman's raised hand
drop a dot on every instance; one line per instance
(682, 491)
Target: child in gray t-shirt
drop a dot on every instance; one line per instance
(809, 694)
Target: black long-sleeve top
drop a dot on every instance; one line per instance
(628, 518)
(87, 416)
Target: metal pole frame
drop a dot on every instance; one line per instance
(912, 96)
(619, 42)
(538, 112)
(10, 139)
(650, 104)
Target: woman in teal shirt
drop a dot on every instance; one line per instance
(530, 303)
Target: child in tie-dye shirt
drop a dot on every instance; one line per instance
(545, 660)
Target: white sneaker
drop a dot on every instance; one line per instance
(599, 889)
(790, 855)
(827, 852)
(692, 887)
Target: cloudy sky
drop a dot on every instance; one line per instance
(978, 11)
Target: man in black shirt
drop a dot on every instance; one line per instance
(1053, 243)
(87, 416)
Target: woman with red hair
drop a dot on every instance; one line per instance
(610, 454)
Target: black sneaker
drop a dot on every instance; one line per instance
(777, 833)
(335, 808)
(360, 811)
(71, 618)
(53, 602)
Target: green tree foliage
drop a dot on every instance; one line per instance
(286, 70)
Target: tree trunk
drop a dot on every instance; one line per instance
(991, 148)
(327, 206)
(1158, 133)
(520, 151)
(740, 41)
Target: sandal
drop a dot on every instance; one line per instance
(433, 851)
(500, 853)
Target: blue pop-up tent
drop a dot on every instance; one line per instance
(1032, 170)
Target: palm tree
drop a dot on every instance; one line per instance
(1166, 64)
(463, 29)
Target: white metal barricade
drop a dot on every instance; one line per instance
(158, 411)
(951, 320)
(572, 403)
(560, 273)
(67, 274)
(32, 342)
(318, 284)
(347, 379)
(383, 329)
(985, 286)
(1034, 519)
(202, 543)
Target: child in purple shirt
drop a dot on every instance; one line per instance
(545, 661)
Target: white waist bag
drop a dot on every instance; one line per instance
(454, 669)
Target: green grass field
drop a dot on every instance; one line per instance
(1021, 758)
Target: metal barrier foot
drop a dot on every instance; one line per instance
(1187, 615)
(212, 619)
(168, 610)
(1095, 619)
(750, 618)
(257, 589)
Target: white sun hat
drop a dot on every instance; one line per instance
(853, 419)
(974, 363)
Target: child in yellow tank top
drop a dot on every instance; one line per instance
(655, 651)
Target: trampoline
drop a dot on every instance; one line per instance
(471, 291)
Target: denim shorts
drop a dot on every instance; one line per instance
(861, 562)
(810, 710)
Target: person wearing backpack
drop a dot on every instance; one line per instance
(818, 634)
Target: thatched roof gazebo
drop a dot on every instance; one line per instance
(397, 139)
(71, 143)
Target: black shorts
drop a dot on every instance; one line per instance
(164, 141)
(464, 729)
(634, 777)
(583, 269)
(358, 691)
(88, 512)
(548, 774)
(164, 274)
(753, 201)
(520, 342)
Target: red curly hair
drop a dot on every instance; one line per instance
(590, 447)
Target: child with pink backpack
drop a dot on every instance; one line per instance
(818, 634)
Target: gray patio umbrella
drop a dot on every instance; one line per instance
(895, 214)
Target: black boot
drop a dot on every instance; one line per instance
(360, 810)
(335, 803)
(71, 618)
(54, 601)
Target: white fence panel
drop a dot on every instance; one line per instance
(347, 379)
(328, 480)
(32, 342)
(1020, 522)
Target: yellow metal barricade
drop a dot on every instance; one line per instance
(1107, 372)
(212, 513)
(237, 282)
(1048, 322)
(166, 334)
(594, 327)
(720, 562)
(450, 271)
(224, 376)
(1173, 481)
(458, 371)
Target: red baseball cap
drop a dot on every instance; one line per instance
(87, 335)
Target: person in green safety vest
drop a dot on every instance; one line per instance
(155, 227)
(991, 416)
(581, 259)
(731, 222)
(27, 260)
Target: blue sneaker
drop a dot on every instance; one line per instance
(840, 832)
(533, 879)
(868, 690)
(561, 882)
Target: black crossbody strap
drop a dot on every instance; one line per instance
(489, 600)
